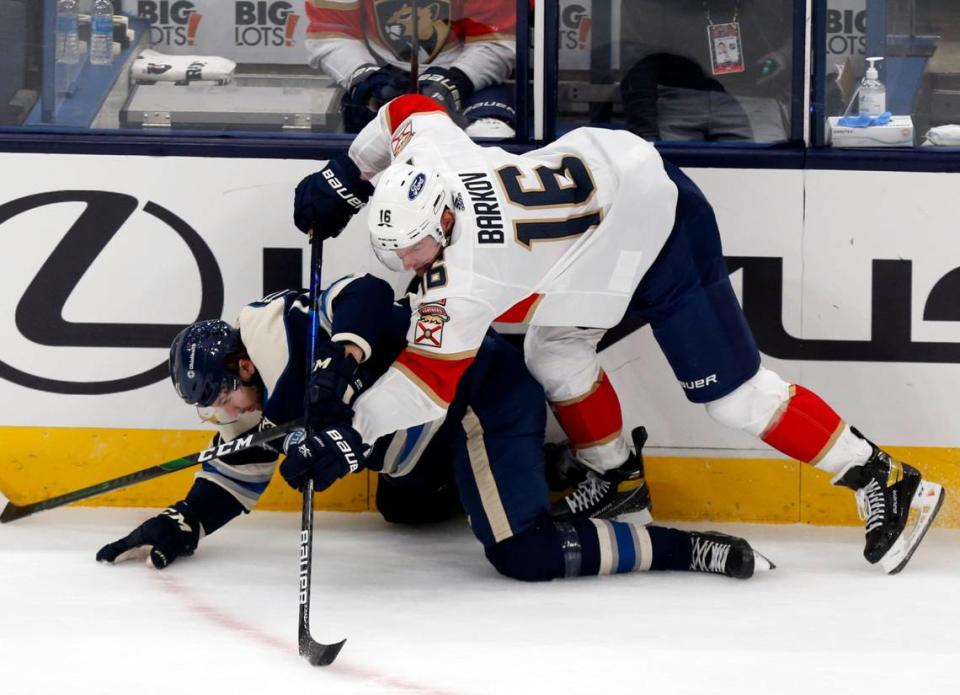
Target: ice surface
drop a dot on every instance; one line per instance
(423, 612)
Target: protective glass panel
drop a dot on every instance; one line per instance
(679, 70)
(914, 96)
(283, 67)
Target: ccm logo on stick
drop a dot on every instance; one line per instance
(234, 445)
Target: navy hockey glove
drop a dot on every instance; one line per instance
(451, 87)
(324, 457)
(370, 88)
(332, 386)
(167, 536)
(325, 201)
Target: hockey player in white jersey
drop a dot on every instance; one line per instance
(569, 239)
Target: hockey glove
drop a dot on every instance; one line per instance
(332, 386)
(451, 87)
(164, 538)
(324, 457)
(325, 201)
(370, 87)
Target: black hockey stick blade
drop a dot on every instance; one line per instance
(317, 653)
(320, 654)
(12, 512)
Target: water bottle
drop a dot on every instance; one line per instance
(68, 37)
(101, 33)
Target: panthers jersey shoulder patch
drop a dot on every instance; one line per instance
(432, 318)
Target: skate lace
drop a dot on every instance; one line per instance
(871, 505)
(590, 491)
(709, 556)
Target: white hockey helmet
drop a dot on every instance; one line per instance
(406, 207)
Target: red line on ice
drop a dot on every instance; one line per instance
(228, 622)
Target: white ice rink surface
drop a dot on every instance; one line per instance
(423, 612)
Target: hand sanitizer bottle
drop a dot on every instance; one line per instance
(873, 95)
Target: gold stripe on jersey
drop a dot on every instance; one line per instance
(490, 37)
(465, 355)
(421, 384)
(533, 309)
(483, 477)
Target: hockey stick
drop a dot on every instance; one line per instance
(415, 50)
(317, 653)
(12, 512)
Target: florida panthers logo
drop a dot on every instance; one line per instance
(395, 22)
(433, 316)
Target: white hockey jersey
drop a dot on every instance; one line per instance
(559, 236)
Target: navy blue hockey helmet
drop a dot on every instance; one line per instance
(198, 361)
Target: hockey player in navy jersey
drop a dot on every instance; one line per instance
(490, 442)
(570, 239)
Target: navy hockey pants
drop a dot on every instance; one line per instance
(687, 298)
(493, 436)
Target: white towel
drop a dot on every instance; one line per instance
(151, 66)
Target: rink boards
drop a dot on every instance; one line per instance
(849, 279)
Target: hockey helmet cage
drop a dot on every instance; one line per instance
(406, 207)
(198, 361)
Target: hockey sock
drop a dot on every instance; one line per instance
(848, 450)
(593, 423)
(613, 547)
(600, 546)
(805, 427)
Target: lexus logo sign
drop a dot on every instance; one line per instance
(39, 315)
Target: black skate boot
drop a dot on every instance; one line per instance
(561, 467)
(617, 492)
(728, 555)
(886, 489)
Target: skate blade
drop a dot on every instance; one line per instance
(761, 563)
(634, 500)
(927, 500)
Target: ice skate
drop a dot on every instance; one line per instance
(719, 553)
(615, 493)
(886, 490)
